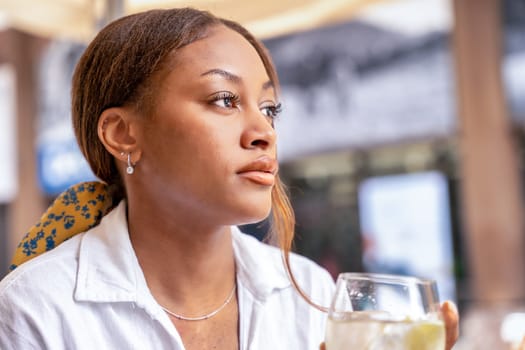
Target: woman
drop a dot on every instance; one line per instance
(174, 109)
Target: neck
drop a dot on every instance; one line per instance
(189, 266)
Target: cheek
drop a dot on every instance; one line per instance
(191, 147)
(213, 142)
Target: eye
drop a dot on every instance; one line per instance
(272, 111)
(225, 100)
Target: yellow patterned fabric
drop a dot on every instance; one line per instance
(75, 210)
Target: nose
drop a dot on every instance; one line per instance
(258, 131)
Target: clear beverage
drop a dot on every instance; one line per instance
(375, 311)
(366, 333)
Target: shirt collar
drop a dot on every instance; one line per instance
(107, 265)
(260, 267)
(108, 269)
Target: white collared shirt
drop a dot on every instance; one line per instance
(90, 293)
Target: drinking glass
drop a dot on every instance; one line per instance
(377, 311)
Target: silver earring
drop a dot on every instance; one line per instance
(130, 169)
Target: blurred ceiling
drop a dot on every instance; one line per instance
(80, 19)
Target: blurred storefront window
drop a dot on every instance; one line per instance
(331, 209)
(405, 226)
(8, 151)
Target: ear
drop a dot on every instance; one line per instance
(118, 129)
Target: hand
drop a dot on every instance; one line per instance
(451, 319)
(520, 347)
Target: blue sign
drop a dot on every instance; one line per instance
(60, 165)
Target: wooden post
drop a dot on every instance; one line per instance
(492, 189)
(22, 51)
(491, 184)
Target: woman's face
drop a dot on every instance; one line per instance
(209, 148)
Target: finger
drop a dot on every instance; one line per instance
(451, 318)
(322, 347)
(522, 344)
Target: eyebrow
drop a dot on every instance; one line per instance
(234, 78)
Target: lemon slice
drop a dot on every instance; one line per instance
(426, 335)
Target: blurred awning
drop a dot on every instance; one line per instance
(80, 19)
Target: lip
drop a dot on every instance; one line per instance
(261, 171)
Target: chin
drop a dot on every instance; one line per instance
(254, 216)
(250, 209)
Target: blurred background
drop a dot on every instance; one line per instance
(401, 138)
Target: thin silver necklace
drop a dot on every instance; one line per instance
(203, 317)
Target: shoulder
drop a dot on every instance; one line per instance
(52, 273)
(44, 271)
(32, 296)
(59, 266)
